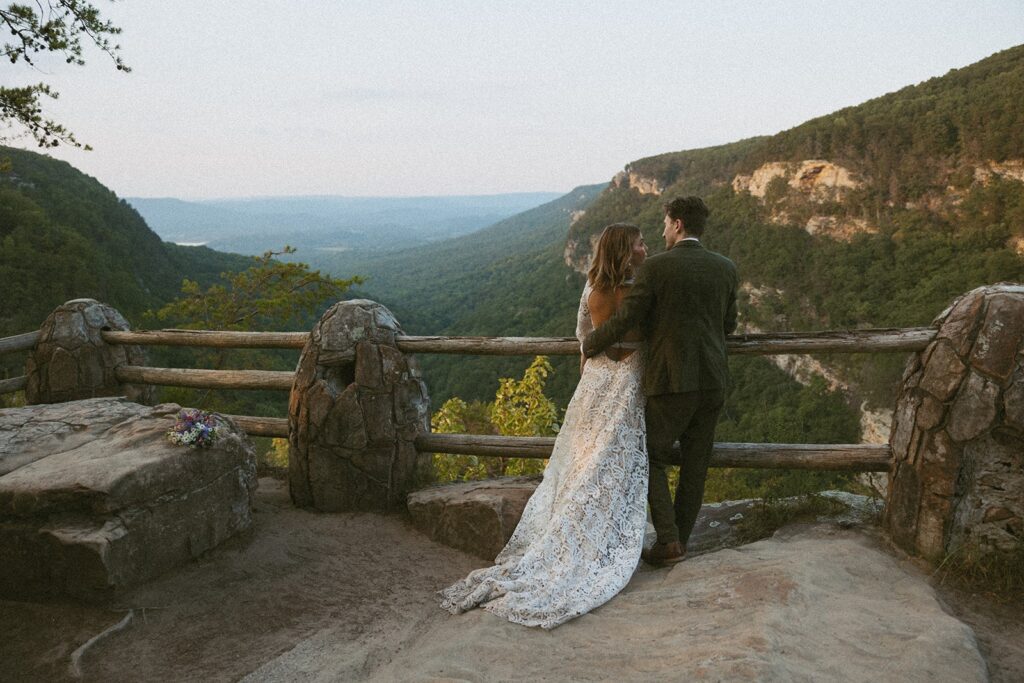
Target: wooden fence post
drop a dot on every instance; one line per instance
(71, 360)
(356, 408)
(958, 431)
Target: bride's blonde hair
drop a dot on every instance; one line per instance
(611, 267)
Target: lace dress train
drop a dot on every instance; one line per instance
(581, 533)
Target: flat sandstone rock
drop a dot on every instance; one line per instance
(94, 498)
(810, 604)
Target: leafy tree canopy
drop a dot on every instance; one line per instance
(63, 27)
(271, 293)
(520, 408)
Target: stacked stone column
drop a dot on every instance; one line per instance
(958, 431)
(71, 361)
(356, 407)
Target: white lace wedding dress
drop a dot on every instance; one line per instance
(580, 536)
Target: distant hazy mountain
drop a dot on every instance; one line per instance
(328, 224)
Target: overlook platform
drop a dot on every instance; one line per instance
(350, 596)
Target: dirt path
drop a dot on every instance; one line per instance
(998, 626)
(297, 574)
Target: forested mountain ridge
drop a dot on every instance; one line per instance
(507, 279)
(903, 145)
(63, 235)
(877, 215)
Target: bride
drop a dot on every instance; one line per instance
(581, 533)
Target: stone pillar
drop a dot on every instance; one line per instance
(958, 431)
(71, 360)
(356, 408)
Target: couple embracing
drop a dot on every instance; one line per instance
(652, 334)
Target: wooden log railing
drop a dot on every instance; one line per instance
(276, 380)
(261, 426)
(8, 386)
(220, 339)
(19, 342)
(776, 343)
(829, 457)
(845, 457)
(16, 344)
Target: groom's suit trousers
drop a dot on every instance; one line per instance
(691, 418)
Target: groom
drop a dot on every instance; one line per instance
(684, 303)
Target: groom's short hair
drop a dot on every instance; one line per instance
(692, 211)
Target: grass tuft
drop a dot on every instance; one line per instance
(999, 573)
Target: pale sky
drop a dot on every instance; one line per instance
(390, 98)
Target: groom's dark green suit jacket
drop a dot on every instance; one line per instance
(684, 303)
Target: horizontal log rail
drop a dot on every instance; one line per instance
(277, 380)
(839, 341)
(831, 457)
(491, 346)
(261, 426)
(773, 343)
(777, 343)
(8, 386)
(208, 338)
(19, 342)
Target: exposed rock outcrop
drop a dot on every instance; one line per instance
(840, 228)
(71, 361)
(629, 178)
(1011, 169)
(477, 517)
(93, 498)
(812, 604)
(958, 431)
(818, 179)
(356, 408)
(578, 257)
(813, 182)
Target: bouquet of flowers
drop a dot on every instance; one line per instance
(195, 428)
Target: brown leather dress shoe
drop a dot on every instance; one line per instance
(662, 554)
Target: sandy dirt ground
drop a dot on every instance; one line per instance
(296, 577)
(295, 574)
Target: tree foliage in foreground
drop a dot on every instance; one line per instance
(62, 27)
(520, 408)
(269, 295)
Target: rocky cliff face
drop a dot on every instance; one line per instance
(818, 179)
(797, 191)
(1011, 169)
(629, 178)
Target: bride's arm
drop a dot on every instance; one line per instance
(629, 316)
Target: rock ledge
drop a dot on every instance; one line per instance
(93, 498)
